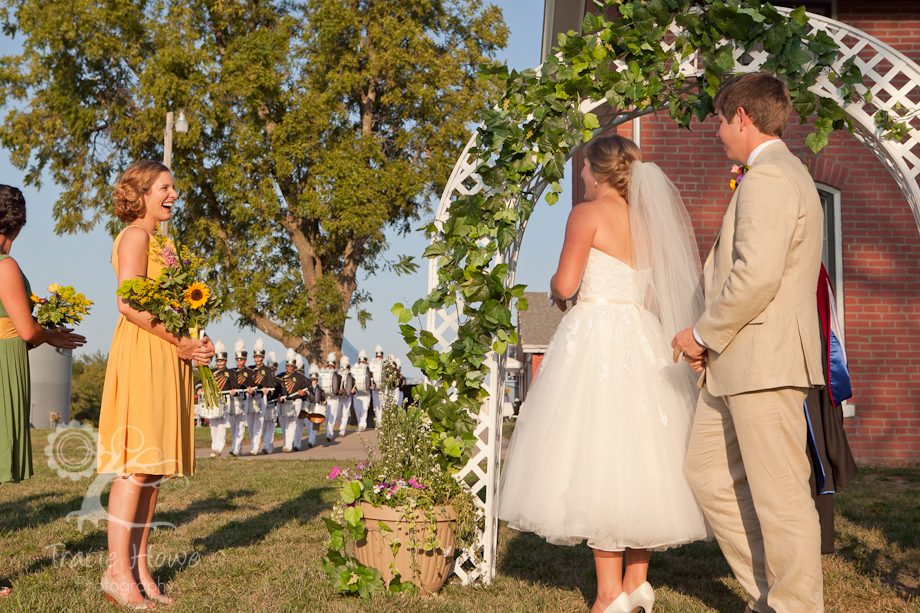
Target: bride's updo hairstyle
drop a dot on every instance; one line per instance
(610, 158)
(132, 186)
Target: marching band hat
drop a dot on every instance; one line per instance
(398, 363)
(378, 351)
(362, 355)
(314, 371)
(330, 359)
(272, 360)
(344, 362)
(258, 348)
(220, 351)
(240, 350)
(298, 362)
(290, 358)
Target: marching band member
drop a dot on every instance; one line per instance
(346, 387)
(400, 383)
(362, 376)
(329, 380)
(319, 399)
(226, 381)
(376, 368)
(301, 413)
(262, 420)
(294, 387)
(240, 401)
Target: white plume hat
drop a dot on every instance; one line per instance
(271, 358)
(398, 363)
(298, 361)
(362, 355)
(290, 357)
(314, 369)
(259, 347)
(330, 359)
(378, 350)
(240, 349)
(220, 350)
(344, 361)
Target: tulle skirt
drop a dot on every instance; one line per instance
(598, 450)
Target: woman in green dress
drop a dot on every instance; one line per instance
(18, 332)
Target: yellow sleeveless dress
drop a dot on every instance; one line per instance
(146, 425)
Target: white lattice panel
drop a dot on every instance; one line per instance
(892, 80)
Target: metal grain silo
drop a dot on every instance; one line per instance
(51, 370)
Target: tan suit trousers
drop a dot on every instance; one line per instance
(747, 463)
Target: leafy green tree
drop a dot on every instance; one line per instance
(87, 381)
(314, 126)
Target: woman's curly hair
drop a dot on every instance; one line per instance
(610, 158)
(12, 210)
(133, 186)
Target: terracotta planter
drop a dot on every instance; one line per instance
(433, 566)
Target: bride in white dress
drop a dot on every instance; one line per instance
(598, 450)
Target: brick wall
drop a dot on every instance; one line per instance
(880, 243)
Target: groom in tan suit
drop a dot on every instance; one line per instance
(757, 344)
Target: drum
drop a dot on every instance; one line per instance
(203, 411)
(325, 382)
(362, 378)
(309, 411)
(238, 404)
(290, 408)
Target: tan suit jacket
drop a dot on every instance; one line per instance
(761, 320)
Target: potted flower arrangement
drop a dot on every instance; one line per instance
(403, 515)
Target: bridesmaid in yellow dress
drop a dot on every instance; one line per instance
(19, 332)
(146, 423)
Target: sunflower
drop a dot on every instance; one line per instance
(197, 294)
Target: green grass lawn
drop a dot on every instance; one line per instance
(248, 537)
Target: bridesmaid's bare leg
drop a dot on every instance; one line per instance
(636, 569)
(123, 506)
(146, 508)
(609, 566)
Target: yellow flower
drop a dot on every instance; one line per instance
(53, 288)
(35, 298)
(197, 294)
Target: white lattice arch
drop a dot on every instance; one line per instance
(893, 80)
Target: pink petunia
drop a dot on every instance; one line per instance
(335, 473)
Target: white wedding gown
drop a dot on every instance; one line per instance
(598, 449)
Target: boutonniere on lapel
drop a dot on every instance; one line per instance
(738, 171)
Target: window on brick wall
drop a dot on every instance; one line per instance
(832, 258)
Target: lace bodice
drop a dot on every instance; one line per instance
(608, 279)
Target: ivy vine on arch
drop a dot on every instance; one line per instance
(638, 62)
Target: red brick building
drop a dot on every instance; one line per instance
(872, 237)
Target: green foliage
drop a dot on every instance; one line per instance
(87, 381)
(314, 125)
(537, 124)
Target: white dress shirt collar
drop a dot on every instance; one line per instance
(760, 147)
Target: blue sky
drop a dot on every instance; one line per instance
(83, 260)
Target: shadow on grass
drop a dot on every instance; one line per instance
(885, 501)
(19, 514)
(208, 506)
(695, 570)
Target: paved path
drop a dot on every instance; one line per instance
(348, 447)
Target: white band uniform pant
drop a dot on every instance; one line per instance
(748, 466)
(238, 423)
(218, 427)
(256, 422)
(334, 406)
(362, 403)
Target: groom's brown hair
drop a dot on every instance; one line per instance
(762, 95)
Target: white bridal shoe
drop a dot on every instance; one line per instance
(621, 605)
(643, 598)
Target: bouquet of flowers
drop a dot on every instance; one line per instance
(63, 307)
(178, 299)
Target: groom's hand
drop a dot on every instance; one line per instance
(685, 344)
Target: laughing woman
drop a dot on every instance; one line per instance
(146, 424)
(18, 332)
